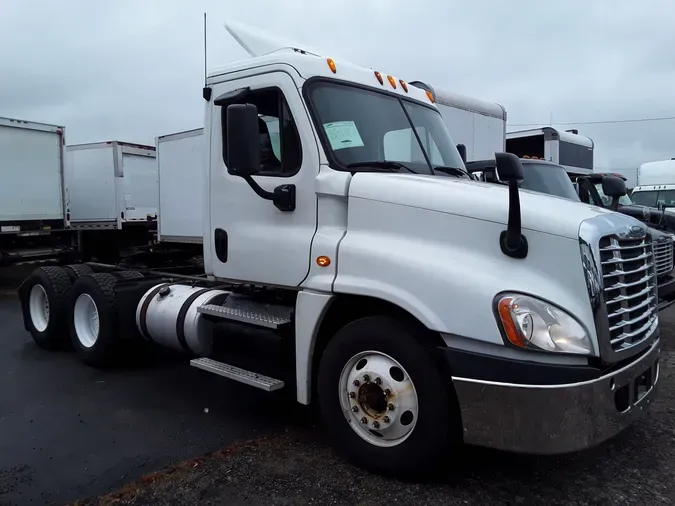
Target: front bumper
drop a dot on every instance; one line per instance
(556, 418)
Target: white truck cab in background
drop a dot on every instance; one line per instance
(418, 307)
(656, 185)
(567, 148)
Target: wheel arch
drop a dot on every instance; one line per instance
(331, 313)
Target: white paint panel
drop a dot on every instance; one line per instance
(182, 171)
(139, 185)
(90, 183)
(482, 135)
(31, 187)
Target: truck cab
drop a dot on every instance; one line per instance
(418, 307)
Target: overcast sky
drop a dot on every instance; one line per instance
(134, 70)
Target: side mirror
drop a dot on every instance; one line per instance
(613, 186)
(512, 241)
(509, 167)
(243, 154)
(243, 143)
(462, 151)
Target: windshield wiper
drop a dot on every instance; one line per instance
(453, 171)
(384, 165)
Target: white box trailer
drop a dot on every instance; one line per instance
(480, 126)
(31, 172)
(32, 203)
(180, 165)
(111, 184)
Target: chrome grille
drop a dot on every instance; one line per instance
(629, 288)
(663, 256)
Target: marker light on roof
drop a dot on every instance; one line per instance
(331, 65)
(379, 77)
(392, 81)
(431, 97)
(404, 85)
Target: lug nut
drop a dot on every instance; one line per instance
(387, 391)
(376, 424)
(352, 395)
(356, 383)
(378, 381)
(366, 378)
(386, 419)
(355, 409)
(390, 407)
(364, 420)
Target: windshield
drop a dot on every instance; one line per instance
(607, 201)
(364, 126)
(652, 198)
(548, 178)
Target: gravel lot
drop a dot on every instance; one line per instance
(297, 466)
(68, 432)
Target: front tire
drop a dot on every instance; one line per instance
(383, 399)
(93, 324)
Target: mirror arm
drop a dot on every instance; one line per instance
(283, 196)
(259, 190)
(512, 242)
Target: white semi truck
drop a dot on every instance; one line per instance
(563, 147)
(418, 307)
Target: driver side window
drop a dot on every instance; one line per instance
(279, 142)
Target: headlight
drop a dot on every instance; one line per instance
(533, 324)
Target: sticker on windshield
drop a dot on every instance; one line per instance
(343, 134)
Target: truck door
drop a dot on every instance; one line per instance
(249, 238)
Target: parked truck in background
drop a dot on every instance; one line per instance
(567, 148)
(33, 199)
(656, 185)
(416, 306)
(478, 125)
(113, 191)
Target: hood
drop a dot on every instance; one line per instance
(476, 200)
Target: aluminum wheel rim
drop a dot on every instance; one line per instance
(38, 304)
(85, 320)
(378, 398)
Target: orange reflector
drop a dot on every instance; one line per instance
(404, 85)
(323, 261)
(379, 77)
(392, 81)
(510, 327)
(331, 65)
(431, 97)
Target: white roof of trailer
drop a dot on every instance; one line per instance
(562, 135)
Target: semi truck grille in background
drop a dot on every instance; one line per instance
(629, 288)
(663, 256)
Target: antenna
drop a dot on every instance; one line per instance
(205, 68)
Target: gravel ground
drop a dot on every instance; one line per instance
(297, 466)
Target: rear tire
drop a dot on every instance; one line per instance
(74, 271)
(406, 431)
(44, 297)
(127, 275)
(93, 322)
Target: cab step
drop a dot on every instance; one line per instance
(237, 374)
(244, 316)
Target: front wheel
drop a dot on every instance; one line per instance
(384, 400)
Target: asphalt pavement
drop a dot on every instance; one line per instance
(68, 431)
